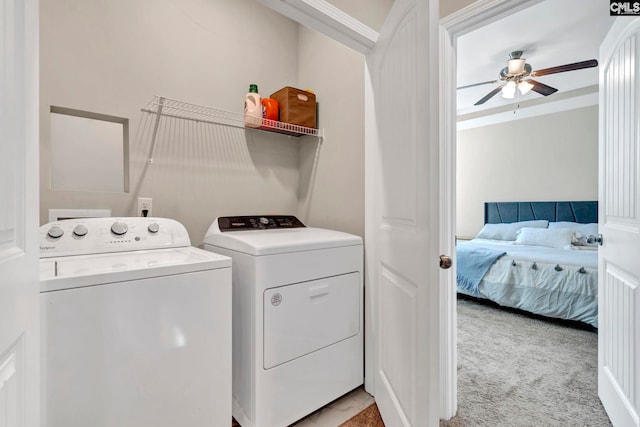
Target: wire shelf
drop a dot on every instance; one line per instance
(183, 110)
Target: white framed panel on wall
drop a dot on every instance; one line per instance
(60, 214)
(89, 151)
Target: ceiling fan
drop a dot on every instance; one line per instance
(517, 75)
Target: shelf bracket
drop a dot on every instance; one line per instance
(155, 130)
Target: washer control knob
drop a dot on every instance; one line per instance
(264, 221)
(55, 232)
(153, 228)
(119, 228)
(80, 230)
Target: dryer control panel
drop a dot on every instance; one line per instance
(258, 222)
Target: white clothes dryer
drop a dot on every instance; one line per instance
(297, 315)
(136, 326)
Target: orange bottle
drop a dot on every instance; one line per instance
(270, 110)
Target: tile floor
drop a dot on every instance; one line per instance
(338, 411)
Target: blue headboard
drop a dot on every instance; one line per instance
(499, 212)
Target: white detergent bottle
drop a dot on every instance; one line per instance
(252, 108)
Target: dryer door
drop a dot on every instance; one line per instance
(305, 317)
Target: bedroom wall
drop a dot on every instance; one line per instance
(551, 157)
(113, 56)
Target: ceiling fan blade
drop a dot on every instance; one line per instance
(478, 84)
(568, 67)
(542, 88)
(488, 96)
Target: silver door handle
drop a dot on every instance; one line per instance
(445, 262)
(594, 239)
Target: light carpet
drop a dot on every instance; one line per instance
(517, 370)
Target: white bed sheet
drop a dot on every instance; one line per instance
(582, 258)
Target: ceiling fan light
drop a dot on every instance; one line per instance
(509, 90)
(516, 66)
(525, 87)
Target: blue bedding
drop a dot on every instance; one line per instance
(552, 282)
(472, 264)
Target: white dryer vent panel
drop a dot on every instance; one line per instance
(305, 317)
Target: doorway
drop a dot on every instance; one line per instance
(453, 30)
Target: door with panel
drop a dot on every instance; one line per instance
(619, 217)
(19, 251)
(402, 220)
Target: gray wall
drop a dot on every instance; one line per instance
(373, 13)
(331, 192)
(369, 12)
(447, 7)
(112, 56)
(551, 157)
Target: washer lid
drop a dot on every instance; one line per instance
(89, 270)
(268, 242)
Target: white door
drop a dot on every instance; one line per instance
(19, 251)
(401, 148)
(619, 256)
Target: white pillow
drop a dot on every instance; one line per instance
(581, 231)
(507, 231)
(559, 238)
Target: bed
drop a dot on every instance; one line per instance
(535, 256)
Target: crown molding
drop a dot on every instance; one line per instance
(328, 20)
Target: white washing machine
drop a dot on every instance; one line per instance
(297, 315)
(136, 326)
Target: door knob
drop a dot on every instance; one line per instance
(595, 239)
(445, 262)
